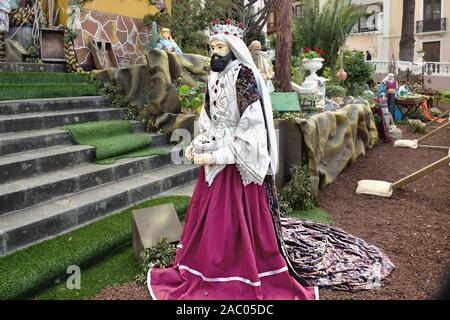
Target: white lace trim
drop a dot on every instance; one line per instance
(228, 279)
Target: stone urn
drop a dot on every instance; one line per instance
(313, 65)
(313, 84)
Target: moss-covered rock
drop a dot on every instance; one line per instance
(154, 85)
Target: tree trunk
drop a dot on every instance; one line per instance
(283, 50)
(407, 40)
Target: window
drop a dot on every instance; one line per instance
(297, 10)
(431, 10)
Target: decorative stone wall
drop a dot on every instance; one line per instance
(126, 34)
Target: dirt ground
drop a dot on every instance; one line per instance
(412, 227)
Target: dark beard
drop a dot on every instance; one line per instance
(219, 63)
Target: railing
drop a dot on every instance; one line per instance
(431, 25)
(362, 29)
(438, 68)
(430, 68)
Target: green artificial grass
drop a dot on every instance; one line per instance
(144, 152)
(42, 91)
(120, 267)
(27, 78)
(112, 139)
(315, 215)
(116, 269)
(24, 272)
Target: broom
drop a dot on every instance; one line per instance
(385, 189)
(414, 144)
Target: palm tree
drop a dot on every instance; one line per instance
(253, 20)
(283, 49)
(407, 40)
(325, 28)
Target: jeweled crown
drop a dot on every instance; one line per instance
(228, 29)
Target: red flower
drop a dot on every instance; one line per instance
(307, 50)
(322, 52)
(240, 25)
(217, 21)
(316, 49)
(226, 32)
(228, 21)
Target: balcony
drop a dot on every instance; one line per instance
(431, 25)
(362, 29)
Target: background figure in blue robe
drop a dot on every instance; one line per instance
(166, 43)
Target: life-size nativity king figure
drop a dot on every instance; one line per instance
(232, 243)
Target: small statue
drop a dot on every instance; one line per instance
(260, 61)
(388, 88)
(161, 5)
(166, 43)
(5, 9)
(404, 89)
(73, 21)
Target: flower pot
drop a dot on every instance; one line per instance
(313, 65)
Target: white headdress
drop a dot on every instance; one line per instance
(232, 36)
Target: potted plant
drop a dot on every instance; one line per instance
(420, 53)
(312, 60)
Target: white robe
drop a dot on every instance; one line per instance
(230, 137)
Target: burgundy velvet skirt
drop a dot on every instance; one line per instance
(228, 248)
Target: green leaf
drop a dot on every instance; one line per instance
(184, 90)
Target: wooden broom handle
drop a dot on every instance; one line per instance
(421, 173)
(432, 133)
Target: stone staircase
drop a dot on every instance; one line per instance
(49, 185)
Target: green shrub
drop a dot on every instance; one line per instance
(192, 98)
(115, 95)
(446, 96)
(418, 115)
(160, 255)
(336, 91)
(33, 55)
(298, 192)
(418, 127)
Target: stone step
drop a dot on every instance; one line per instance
(23, 193)
(14, 107)
(26, 227)
(32, 67)
(48, 120)
(15, 142)
(31, 163)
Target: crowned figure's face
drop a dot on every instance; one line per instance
(221, 55)
(219, 48)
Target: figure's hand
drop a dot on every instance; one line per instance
(188, 152)
(204, 159)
